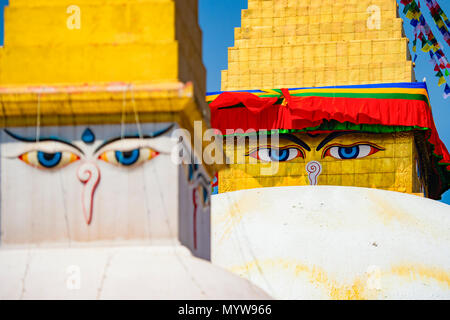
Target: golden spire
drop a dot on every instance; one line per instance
(303, 43)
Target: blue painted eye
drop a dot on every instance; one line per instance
(191, 172)
(127, 158)
(349, 152)
(205, 195)
(192, 169)
(49, 160)
(276, 154)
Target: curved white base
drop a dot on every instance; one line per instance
(117, 273)
(324, 242)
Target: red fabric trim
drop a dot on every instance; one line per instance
(253, 103)
(303, 112)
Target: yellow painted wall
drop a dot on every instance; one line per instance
(302, 43)
(146, 41)
(391, 168)
(61, 44)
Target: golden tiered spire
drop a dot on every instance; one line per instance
(302, 43)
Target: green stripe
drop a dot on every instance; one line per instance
(337, 126)
(403, 96)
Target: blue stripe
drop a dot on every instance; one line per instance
(219, 92)
(402, 85)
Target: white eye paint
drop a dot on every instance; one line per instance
(293, 153)
(264, 155)
(364, 150)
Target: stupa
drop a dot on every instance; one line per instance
(95, 203)
(332, 148)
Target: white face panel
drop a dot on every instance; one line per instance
(78, 185)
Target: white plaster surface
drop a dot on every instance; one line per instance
(139, 272)
(323, 242)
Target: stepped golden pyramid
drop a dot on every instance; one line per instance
(310, 43)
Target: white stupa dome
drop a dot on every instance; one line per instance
(327, 242)
(139, 272)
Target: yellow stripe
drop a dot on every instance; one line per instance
(211, 98)
(271, 91)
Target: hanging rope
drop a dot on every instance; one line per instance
(136, 114)
(38, 117)
(122, 122)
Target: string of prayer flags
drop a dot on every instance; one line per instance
(423, 32)
(440, 19)
(446, 91)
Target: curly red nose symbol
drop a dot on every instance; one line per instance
(89, 174)
(314, 170)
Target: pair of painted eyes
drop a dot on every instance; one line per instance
(47, 160)
(277, 154)
(357, 151)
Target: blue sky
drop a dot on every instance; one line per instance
(2, 3)
(219, 18)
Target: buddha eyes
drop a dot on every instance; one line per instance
(56, 160)
(357, 151)
(273, 154)
(340, 152)
(128, 158)
(49, 160)
(56, 156)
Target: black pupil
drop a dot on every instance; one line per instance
(349, 150)
(127, 154)
(49, 156)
